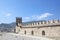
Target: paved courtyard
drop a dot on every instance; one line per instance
(13, 36)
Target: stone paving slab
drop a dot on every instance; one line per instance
(13, 36)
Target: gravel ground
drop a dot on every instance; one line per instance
(13, 36)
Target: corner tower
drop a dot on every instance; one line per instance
(18, 21)
(18, 24)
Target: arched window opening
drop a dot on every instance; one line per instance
(20, 26)
(25, 31)
(32, 32)
(43, 32)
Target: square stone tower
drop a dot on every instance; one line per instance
(18, 21)
(18, 24)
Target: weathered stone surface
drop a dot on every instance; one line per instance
(12, 36)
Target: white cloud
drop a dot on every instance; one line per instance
(42, 16)
(26, 18)
(37, 17)
(8, 14)
(45, 15)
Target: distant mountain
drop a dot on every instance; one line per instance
(7, 27)
(11, 26)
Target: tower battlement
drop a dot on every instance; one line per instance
(34, 23)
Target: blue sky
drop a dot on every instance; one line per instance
(29, 10)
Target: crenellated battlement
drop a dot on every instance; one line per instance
(41, 23)
(36, 23)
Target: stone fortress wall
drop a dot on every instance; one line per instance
(42, 28)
